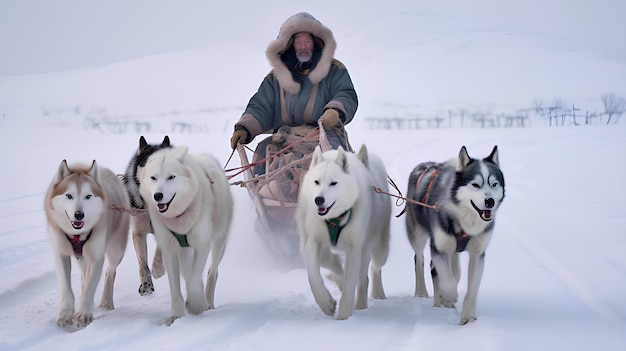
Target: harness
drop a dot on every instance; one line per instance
(433, 176)
(181, 238)
(77, 244)
(462, 238)
(334, 226)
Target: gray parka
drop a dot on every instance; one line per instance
(281, 100)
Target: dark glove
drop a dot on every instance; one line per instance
(330, 118)
(240, 136)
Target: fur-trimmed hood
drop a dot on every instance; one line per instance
(300, 22)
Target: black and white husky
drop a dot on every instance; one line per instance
(140, 221)
(459, 200)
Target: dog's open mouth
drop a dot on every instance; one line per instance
(485, 215)
(78, 225)
(322, 211)
(164, 207)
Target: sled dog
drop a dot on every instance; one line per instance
(83, 224)
(338, 211)
(464, 194)
(140, 221)
(191, 206)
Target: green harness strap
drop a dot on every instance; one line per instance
(182, 239)
(334, 227)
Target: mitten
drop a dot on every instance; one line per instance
(330, 118)
(239, 136)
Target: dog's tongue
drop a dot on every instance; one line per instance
(162, 207)
(78, 224)
(322, 211)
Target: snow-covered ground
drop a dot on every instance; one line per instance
(84, 82)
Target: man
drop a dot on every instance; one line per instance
(306, 83)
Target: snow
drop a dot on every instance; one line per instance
(555, 274)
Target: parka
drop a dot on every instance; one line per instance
(295, 96)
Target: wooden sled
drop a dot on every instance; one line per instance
(275, 191)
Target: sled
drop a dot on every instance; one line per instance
(274, 190)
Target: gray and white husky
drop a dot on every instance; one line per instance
(460, 199)
(140, 221)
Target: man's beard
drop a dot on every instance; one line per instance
(304, 55)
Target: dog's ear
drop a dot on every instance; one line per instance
(342, 159)
(363, 156)
(464, 159)
(62, 172)
(317, 156)
(93, 170)
(142, 143)
(493, 157)
(180, 153)
(166, 142)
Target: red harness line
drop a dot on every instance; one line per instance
(406, 199)
(433, 176)
(462, 238)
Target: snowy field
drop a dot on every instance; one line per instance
(84, 82)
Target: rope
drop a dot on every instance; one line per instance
(131, 211)
(400, 197)
(242, 169)
(231, 156)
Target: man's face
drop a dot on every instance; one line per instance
(303, 45)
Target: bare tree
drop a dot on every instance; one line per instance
(613, 105)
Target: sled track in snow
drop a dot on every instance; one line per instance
(583, 291)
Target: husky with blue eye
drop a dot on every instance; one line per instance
(454, 205)
(83, 225)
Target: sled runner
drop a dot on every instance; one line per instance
(273, 182)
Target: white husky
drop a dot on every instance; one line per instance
(82, 223)
(339, 210)
(190, 205)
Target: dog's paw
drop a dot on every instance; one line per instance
(64, 321)
(107, 305)
(82, 319)
(467, 319)
(196, 307)
(158, 270)
(344, 313)
(146, 288)
(327, 304)
(441, 302)
(378, 293)
(421, 291)
(170, 320)
(449, 294)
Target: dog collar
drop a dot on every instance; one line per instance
(78, 244)
(334, 226)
